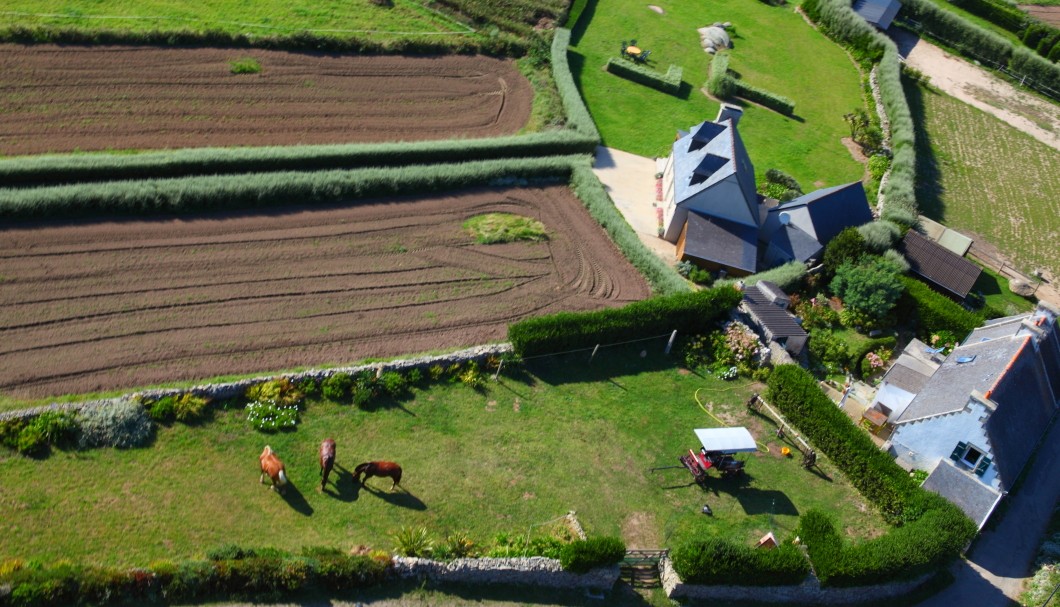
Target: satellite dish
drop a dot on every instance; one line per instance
(785, 218)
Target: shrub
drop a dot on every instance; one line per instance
(394, 383)
(829, 349)
(269, 416)
(414, 541)
(897, 259)
(309, 387)
(245, 65)
(336, 387)
(670, 82)
(580, 556)
(773, 101)
(870, 289)
(720, 83)
(858, 354)
(816, 313)
(879, 235)
(122, 424)
(341, 572)
(781, 186)
(716, 561)
(281, 391)
(688, 312)
(51, 428)
(848, 246)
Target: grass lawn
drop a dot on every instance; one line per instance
(567, 436)
(994, 288)
(977, 174)
(263, 17)
(775, 49)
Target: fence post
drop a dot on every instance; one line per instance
(670, 343)
(593, 355)
(500, 366)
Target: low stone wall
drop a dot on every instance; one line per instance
(221, 391)
(531, 571)
(809, 592)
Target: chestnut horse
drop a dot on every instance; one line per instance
(271, 465)
(378, 469)
(327, 460)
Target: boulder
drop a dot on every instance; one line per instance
(1021, 287)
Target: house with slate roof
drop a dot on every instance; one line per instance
(716, 219)
(905, 379)
(877, 12)
(976, 421)
(711, 209)
(766, 306)
(799, 229)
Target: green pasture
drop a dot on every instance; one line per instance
(775, 49)
(977, 174)
(567, 435)
(259, 18)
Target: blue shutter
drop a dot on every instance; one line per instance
(958, 453)
(983, 465)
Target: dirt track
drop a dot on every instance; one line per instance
(107, 305)
(62, 99)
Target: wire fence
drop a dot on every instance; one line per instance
(1021, 79)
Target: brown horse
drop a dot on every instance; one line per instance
(327, 460)
(378, 469)
(271, 465)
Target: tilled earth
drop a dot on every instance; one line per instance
(68, 98)
(103, 305)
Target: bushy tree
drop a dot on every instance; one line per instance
(847, 246)
(869, 289)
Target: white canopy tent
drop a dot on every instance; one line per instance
(726, 440)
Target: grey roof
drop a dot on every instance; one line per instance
(963, 489)
(938, 265)
(779, 322)
(903, 375)
(721, 241)
(832, 209)
(877, 12)
(708, 154)
(953, 382)
(795, 243)
(998, 327)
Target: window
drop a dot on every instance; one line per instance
(971, 456)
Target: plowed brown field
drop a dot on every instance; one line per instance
(62, 99)
(117, 304)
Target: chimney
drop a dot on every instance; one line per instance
(729, 111)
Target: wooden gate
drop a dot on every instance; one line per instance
(641, 567)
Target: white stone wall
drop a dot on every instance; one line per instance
(531, 571)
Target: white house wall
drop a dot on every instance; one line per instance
(724, 200)
(895, 399)
(922, 444)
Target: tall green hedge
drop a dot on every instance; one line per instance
(715, 561)
(723, 85)
(929, 532)
(255, 190)
(580, 556)
(688, 313)
(578, 115)
(773, 101)
(934, 312)
(670, 82)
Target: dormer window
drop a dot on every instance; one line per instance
(971, 457)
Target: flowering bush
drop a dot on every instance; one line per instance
(743, 344)
(730, 373)
(874, 361)
(945, 340)
(816, 313)
(269, 416)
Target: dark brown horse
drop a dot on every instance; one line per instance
(327, 460)
(271, 465)
(371, 469)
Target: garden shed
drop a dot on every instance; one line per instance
(766, 307)
(877, 12)
(938, 266)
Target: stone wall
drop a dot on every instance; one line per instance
(809, 592)
(531, 571)
(221, 391)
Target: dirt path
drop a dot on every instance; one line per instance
(979, 88)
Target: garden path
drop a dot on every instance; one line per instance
(630, 181)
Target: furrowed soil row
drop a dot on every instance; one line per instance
(62, 99)
(135, 302)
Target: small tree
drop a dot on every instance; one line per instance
(869, 290)
(848, 246)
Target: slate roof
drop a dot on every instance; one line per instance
(772, 316)
(710, 153)
(832, 209)
(953, 382)
(903, 374)
(877, 12)
(795, 243)
(721, 241)
(963, 489)
(938, 265)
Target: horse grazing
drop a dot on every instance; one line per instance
(271, 465)
(327, 460)
(371, 469)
